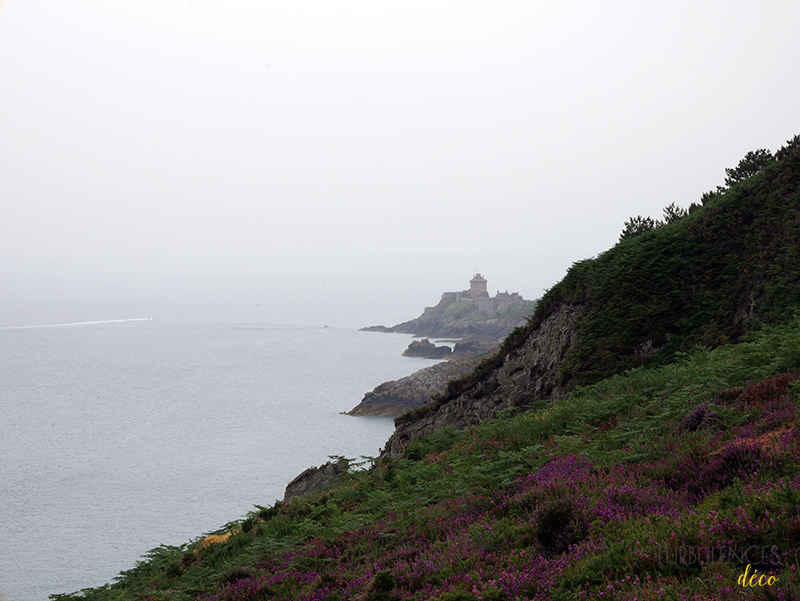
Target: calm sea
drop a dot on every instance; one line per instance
(122, 435)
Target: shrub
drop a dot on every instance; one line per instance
(235, 574)
(385, 581)
(734, 461)
(558, 525)
(698, 419)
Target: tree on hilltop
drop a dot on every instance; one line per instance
(636, 226)
(673, 213)
(790, 144)
(753, 162)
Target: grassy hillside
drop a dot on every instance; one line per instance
(671, 469)
(655, 484)
(706, 279)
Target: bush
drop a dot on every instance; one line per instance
(558, 525)
(385, 581)
(235, 574)
(698, 419)
(732, 462)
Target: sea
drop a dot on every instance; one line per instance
(123, 433)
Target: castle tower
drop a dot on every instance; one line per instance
(477, 285)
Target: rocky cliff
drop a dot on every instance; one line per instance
(394, 398)
(511, 379)
(315, 478)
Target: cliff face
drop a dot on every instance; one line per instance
(315, 478)
(528, 373)
(706, 279)
(394, 398)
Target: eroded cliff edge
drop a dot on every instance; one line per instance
(396, 397)
(511, 379)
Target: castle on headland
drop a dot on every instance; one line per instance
(478, 297)
(469, 314)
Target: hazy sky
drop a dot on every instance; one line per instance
(348, 161)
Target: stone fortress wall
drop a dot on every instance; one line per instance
(478, 297)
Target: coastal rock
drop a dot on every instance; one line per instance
(394, 398)
(315, 478)
(440, 352)
(419, 348)
(527, 374)
(426, 349)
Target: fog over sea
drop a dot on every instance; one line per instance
(122, 433)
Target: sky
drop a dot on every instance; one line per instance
(346, 162)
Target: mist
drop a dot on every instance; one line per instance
(345, 163)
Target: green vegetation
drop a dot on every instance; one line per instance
(458, 311)
(628, 488)
(638, 225)
(671, 470)
(448, 312)
(705, 279)
(753, 162)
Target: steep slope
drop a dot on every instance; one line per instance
(704, 280)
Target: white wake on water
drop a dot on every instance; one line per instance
(75, 323)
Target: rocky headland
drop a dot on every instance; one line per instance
(394, 398)
(706, 277)
(476, 321)
(470, 313)
(511, 379)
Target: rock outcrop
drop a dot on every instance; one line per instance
(426, 349)
(315, 478)
(394, 398)
(528, 373)
(453, 319)
(471, 347)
